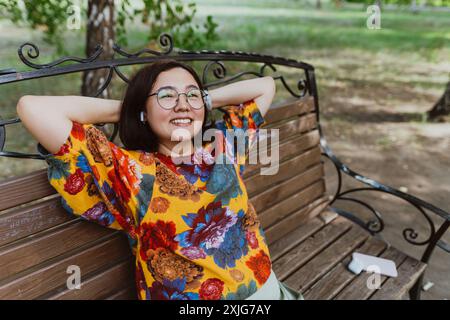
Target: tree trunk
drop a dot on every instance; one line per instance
(100, 30)
(378, 3)
(442, 107)
(318, 4)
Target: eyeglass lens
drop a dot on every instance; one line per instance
(167, 98)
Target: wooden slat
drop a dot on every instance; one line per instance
(128, 293)
(286, 170)
(297, 126)
(284, 189)
(100, 285)
(287, 149)
(288, 131)
(334, 281)
(23, 189)
(395, 288)
(289, 109)
(294, 238)
(24, 221)
(358, 289)
(302, 253)
(304, 277)
(290, 202)
(49, 276)
(26, 253)
(292, 221)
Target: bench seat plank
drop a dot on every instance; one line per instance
(358, 289)
(316, 263)
(395, 288)
(339, 277)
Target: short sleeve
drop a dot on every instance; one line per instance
(89, 173)
(244, 121)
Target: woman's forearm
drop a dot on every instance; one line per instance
(262, 90)
(76, 108)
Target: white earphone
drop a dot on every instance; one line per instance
(142, 117)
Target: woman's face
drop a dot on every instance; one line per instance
(162, 121)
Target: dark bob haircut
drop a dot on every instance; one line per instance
(134, 134)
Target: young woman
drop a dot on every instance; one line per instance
(191, 227)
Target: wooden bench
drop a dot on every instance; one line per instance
(311, 239)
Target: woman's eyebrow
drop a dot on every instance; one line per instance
(187, 87)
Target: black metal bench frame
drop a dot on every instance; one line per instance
(306, 84)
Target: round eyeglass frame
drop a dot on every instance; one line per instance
(178, 98)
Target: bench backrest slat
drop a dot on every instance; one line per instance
(23, 189)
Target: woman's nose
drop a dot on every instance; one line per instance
(182, 103)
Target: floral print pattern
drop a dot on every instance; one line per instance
(191, 227)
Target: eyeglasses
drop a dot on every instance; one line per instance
(168, 98)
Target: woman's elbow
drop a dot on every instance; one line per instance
(271, 87)
(23, 106)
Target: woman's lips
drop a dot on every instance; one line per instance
(181, 122)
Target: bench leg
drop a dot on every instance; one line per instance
(414, 293)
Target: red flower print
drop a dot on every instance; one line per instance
(63, 150)
(75, 182)
(127, 170)
(211, 289)
(157, 235)
(261, 266)
(119, 187)
(78, 131)
(252, 240)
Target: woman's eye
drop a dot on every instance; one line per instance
(194, 94)
(166, 95)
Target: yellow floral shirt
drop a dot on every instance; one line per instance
(191, 227)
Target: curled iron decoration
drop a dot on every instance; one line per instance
(33, 53)
(302, 85)
(106, 82)
(121, 74)
(409, 234)
(374, 226)
(165, 41)
(220, 72)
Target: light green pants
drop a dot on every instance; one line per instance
(274, 289)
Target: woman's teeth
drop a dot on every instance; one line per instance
(181, 121)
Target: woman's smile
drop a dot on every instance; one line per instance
(181, 122)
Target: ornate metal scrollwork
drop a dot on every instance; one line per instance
(375, 226)
(33, 53)
(165, 40)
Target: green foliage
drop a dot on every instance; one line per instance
(47, 15)
(172, 16)
(176, 18)
(431, 3)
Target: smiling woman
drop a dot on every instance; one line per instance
(191, 227)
